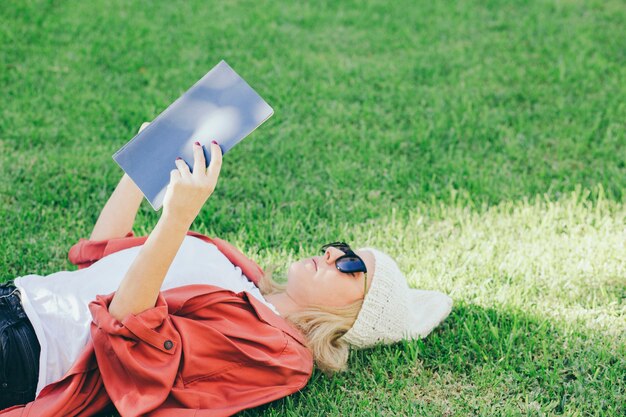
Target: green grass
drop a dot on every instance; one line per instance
(482, 144)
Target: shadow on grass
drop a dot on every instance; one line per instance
(480, 360)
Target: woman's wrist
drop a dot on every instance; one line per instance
(176, 219)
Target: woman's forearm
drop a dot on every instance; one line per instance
(140, 288)
(118, 215)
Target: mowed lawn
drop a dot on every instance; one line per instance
(481, 143)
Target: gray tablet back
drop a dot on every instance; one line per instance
(221, 106)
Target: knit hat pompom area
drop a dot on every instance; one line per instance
(392, 311)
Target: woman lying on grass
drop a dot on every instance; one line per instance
(190, 323)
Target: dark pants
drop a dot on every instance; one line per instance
(19, 350)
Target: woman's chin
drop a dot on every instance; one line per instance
(296, 271)
(292, 272)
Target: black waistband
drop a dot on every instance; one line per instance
(11, 301)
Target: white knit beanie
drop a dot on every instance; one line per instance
(392, 311)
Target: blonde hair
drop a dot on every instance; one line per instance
(322, 327)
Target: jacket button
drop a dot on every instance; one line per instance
(168, 344)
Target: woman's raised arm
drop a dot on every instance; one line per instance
(185, 195)
(118, 215)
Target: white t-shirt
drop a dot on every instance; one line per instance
(58, 304)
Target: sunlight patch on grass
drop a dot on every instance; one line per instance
(563, 258)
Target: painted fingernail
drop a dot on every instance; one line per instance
(215, 142)
(197, 143)
(178, 158)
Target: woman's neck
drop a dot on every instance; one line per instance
(283, 303)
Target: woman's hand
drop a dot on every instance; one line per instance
(187, 192)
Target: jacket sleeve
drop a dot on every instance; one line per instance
(138, 357)
(85, 252)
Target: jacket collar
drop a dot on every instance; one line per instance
(194, 296)
(271, 318)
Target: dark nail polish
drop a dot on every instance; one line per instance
(197, 143)
(178, 158)
(215, 142)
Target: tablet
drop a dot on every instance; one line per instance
(221, 106)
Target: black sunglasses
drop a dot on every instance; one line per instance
(348, 263)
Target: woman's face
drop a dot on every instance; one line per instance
(317, 281)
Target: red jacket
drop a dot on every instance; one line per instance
(201, 351)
